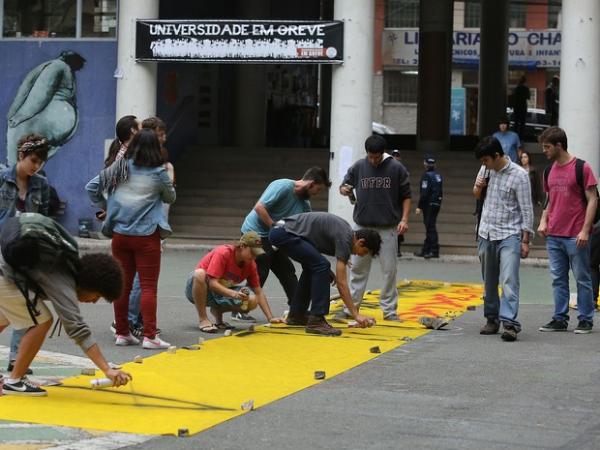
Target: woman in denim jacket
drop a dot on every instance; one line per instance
(137, 185)
(23, 190)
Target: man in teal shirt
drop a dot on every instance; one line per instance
(282, 198)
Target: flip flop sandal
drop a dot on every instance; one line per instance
(224, 326)
(208, 328)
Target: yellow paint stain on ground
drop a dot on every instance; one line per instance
(22, 446)
(196, 390)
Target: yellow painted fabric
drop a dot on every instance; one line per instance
(196, 390)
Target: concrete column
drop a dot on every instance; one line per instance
(435, 75)
(251, 101)
(493, 65)
(579, 113)
(250, 106)
(136, 82)
(351, 96)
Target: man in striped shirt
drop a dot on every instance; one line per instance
(504, 234)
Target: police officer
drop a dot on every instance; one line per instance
(429, 204)
(397, 157)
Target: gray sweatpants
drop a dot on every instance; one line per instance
(361, 265)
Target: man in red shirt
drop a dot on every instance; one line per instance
(217, 283)
(566, 223)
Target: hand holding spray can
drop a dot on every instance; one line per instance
(99, 383)
(351, 195)
(246, 292)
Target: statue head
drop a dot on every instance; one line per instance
(73, 59)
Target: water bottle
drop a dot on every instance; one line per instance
(101, 383)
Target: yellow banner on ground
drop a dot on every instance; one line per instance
(191, 390)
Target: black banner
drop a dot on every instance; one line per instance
(240, 41)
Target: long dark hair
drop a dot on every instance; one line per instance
(144, 149)
(123, 130)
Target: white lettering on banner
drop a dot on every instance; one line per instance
(235, 29)
(540, 48)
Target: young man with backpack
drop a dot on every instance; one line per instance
(567, 223)
(40, 261)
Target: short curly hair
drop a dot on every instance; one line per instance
(99, 272)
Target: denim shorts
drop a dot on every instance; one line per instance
(213, 299)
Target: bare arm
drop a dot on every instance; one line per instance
(261, 299)
(403, 225)
(118, 377)
(342, 285)
(592, 201)
(263, 214)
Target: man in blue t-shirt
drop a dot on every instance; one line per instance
(509, 140)
(282, 198)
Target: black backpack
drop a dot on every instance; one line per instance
(579, 178)
(31, 241)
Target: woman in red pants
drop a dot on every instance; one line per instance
(136, 187)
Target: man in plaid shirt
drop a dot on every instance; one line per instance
(504, 235)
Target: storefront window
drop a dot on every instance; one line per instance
(517, 14)
(401, 13)
(99, 18)
(400, 86)
(39, 18)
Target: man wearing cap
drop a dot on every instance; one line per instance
(430, 201)
(217, 283)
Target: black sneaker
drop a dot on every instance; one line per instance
(509, 334)
(298, 321)
(490, 327)
(23, 387)
(113, 328)
(584, 327)
(318, 325)
(555, 325)
(138, 330)
(241, 317)
(11, 366)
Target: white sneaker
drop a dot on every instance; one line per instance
(154, 344)
(123, 341)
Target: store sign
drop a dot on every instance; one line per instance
(530, 49)
(243, 41)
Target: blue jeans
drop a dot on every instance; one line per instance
(15, 341)
(562, 255)
(500, 261)
(314, 281)
(135, 297)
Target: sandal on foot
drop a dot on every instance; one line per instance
(208, 328)
(224, 326)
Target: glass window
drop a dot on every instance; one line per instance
(554, 10)
(401, 13)
(99, 18)
(40, 18)
(399, 87)
(517, 14)
(472, 14)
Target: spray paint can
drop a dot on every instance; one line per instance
(98, 383)
(244, 305)
(351, 196)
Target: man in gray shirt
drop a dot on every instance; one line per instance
(98, 275)
(305, 238)
(504, 232)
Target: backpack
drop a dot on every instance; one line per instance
(479, 202)
(31, 241)
(579, 179)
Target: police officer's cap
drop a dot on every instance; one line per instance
(429, 160)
